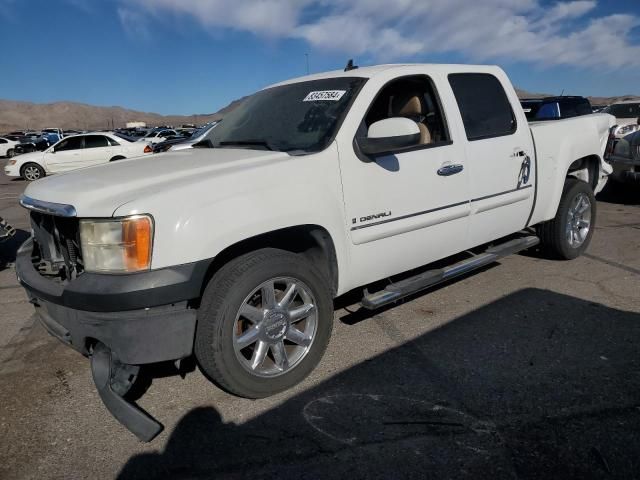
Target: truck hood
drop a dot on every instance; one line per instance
(98, 191)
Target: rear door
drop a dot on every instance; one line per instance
(97, 150)
(500, 155)
(65, 155)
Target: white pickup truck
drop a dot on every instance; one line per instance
(311, 188)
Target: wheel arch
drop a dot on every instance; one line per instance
(314, 242)
(117, 157)
(26, 164)
(586, 169)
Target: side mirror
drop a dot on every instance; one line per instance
(390, 134)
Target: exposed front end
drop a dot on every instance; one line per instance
(120, 320)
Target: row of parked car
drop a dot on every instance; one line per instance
(54, 152)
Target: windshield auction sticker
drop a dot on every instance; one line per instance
(324, 95)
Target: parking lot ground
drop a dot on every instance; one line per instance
(529, 369)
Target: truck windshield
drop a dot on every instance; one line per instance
(301, 117)
(624, 110)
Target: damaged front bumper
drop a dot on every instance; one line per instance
(120, 322)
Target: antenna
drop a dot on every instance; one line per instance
(350, 65)
(562, 92)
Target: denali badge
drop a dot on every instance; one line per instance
(371, 217)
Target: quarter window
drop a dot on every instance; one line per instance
(484, 106)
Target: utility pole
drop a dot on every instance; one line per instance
(306, 55)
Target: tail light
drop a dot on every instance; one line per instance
(610, 142)
(148, 149)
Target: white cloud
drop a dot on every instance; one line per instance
(134, 23)
(263, 17)
(565, 33)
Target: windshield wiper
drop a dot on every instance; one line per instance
(248, 143)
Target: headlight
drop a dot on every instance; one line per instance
(117, 245)
(626, 129)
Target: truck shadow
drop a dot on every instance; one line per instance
(9, 248)
(534, 385)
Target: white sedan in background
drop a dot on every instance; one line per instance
(74, 152)
(6, 147)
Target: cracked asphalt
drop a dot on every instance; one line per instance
(528, 369)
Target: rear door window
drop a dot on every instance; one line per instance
(95, 141)
(484, 106)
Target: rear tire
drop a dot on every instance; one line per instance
(32, 172)
(253, 339)
(568, 235)
(10, 153)
(119, 157)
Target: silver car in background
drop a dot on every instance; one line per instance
(626, 113)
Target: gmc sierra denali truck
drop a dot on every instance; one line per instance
(234, 250)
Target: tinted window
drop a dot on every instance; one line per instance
(73, 143)
(95, 141)
(573, 107)
(2, 140)
(548, 111)
(112, 141)
(484, 106)
(624, 110)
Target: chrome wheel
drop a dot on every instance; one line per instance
(275, 327)
(31, 173)
(578, 220)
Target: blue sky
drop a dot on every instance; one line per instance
(195, 56)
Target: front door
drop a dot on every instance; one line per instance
(65, 155)
(500, 157)
(408, 207)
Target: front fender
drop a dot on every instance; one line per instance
(199, 221)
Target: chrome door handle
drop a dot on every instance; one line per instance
(447, 170)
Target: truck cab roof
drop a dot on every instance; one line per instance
(396, 69)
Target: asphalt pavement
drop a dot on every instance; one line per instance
(527, 369)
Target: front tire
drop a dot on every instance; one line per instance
(32, 172)
(264, 323)
(568, 235)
